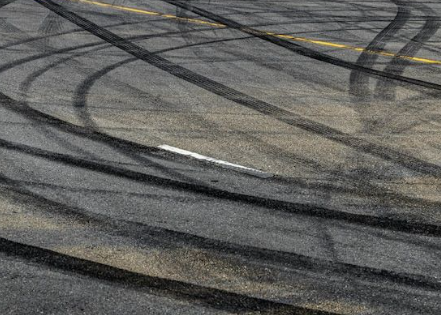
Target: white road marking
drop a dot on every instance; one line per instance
(236, 167)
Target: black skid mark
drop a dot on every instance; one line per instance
(293, 208)
(159, 236)
(386, 89)
(359, 82)
(199, 295)
(294, 47)
(264, 108)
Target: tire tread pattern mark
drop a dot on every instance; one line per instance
(215, 298)
(385, 88)
(299, 49)
(358, 80)
(264, 256)
(308, 210)
(119, 144)
(278, 205)
(282, 115)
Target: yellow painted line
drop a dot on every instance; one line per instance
(141, 11)
(289, 37)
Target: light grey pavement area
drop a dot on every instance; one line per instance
(338, 100)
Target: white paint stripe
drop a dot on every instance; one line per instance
(225, 164)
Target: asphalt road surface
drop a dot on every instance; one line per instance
(333, 107)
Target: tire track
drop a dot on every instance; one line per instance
(58, 123)
(158, 236)
(255, 58)
(79, 130)
(359, 82)
(40, 72)
(192, 293)
(264, 108)
(52, 23)
(386, 89)
(49, 36)
(80, 102)
(195, 294)
(392, 224)
(38, 116)
(294, 47)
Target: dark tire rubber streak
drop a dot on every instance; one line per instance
(296, 48)
(80, 101)
(411, 281)
(282, 115)
(141, 232)
(358, 80)
(35, 115)
(214, 298)
(188, 292)
(399, 225)
(277, 205)
(385, 88)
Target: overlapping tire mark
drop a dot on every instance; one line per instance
(385, 89)
(31, 113)
(214, 298)
(65, 263)
(277, 205)
(400, 225)
(282, 115)
(75, 127)
(49, 36)
(359, 82)
(143, 233)
(269, 149)
(52, 23)
(299, 49)
(278, 153)
(250, 56)
(80, 103)
(37, 114)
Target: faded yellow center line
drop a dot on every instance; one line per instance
(141, 11)
(289, 37)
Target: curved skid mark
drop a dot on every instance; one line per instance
(386, 89)
(62, 125)
(358, 80)
(79, 102)
(167, 237)
(82, 90)
(199, 295)
(18, 250)
(277, 113)
(76, 129)
(296, 48)
(406, 226)
(293, 38)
